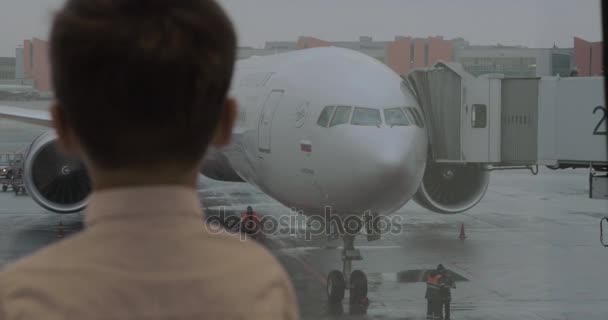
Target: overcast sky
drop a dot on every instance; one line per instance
(533, 23)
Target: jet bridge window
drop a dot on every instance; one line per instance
(480, 116)
(366, 117)
(325, 116)
(341, 116)
(395, 117)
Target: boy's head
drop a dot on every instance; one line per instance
(142, 83)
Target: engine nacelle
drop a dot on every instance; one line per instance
(57, 183)
(452, 188)
(217, 167)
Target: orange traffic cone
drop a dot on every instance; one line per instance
(60, 233)
(462, 235)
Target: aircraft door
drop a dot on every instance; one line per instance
(265, 125)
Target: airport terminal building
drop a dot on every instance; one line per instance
(7, 68)
(30, 66)
(404, 54)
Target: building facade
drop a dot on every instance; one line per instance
(36, 64)
(402, 54)
(515, 61)
(269, 49)
(19, 64)
(588, 58)
(7, 68)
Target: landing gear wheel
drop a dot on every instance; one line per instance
(4, 188)
(336, 286)
(358, 287)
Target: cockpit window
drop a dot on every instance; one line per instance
(341, 116)
(411, 115)
(325, 116)
(395, 117)
(420, 117)
(415, 115)
(366, 117)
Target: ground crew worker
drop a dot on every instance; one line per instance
(434, 305)
(445, 291)
(250, 222)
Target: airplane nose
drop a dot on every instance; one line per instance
(391, 156)
(390, 169)
(372, 169)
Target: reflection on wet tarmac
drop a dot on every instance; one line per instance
(412, 276)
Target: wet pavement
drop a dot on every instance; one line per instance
(532, 249)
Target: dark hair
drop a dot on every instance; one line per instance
(142, 82)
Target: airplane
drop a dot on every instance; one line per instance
(317, 128)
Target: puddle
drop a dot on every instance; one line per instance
(419, 275)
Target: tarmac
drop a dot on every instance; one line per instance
(532, 247)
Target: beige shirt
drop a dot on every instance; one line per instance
(146, 254)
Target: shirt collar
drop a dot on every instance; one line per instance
(162, 202)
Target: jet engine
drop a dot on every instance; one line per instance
(56, 182)
(452, 188)
(217, 167)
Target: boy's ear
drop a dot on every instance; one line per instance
(223, 131)
(67, 141)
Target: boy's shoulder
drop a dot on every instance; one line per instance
(61, 253)
(46, 272)
(239, 247)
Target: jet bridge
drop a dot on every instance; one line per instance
(513, 123)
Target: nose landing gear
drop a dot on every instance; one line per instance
(340, 281)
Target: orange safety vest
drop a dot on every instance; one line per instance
(254, 217)
(434, 282)
(433, 287)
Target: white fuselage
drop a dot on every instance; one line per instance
(280, 147)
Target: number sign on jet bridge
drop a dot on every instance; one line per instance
(513, 122)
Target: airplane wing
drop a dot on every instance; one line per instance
(36, 117)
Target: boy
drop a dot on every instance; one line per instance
(141, 92)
